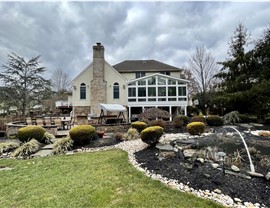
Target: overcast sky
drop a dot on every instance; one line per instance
(63, 33)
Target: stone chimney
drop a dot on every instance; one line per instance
(98, 84)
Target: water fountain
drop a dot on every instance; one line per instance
(252, 169)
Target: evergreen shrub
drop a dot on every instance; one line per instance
(196, 128)
(158, 122)
(82, 134)
(27, 133)
(198, 119)
(179, 121)
(214, 120)
(139, 125)
(151, 135)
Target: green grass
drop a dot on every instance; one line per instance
(100, 179)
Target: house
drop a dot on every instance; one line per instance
(135, 84)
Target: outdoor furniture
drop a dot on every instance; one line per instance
(111, 119)
(66, 122)
(39, 122)
(58, 123)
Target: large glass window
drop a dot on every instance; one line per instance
(161, 81)
(152, 81)
(172, 91)
(83, 91)
(162, 91)
(182, 91)
(151, 91)
(132, 92)
(116, 91)
(142, 91)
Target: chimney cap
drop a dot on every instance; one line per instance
(98, 44)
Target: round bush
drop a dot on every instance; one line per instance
(214, 121)
(27, 133)
(196, 128)
(82, 134)
(198, 119)
(179, 121)
(158, 122)
(151, 135)
(139, 125)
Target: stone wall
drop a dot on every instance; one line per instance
(82, 110)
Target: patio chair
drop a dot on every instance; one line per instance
(58, 123)
(48, 121)
(39, 122)
(28, 121)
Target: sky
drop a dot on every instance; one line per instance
(63, 33)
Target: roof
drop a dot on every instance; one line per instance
(112, 107)
(144, 65)
(160, 75)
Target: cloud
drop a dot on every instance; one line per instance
(63, 33)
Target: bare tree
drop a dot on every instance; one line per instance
(203, 67)
(60, 81)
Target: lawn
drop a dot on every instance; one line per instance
(100, 179)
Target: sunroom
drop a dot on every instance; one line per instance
(159, 91)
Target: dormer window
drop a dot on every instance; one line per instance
(140, 74)
(166, 73)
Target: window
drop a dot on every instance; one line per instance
(166, 73)
(132, 92)
(83, 91)
(141, 91)
(172, 91)
(116, 91)
(182, 91)
(140, 74)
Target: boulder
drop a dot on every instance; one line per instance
(188, 153)
(268, 176)
(235, 168)
(165, 147)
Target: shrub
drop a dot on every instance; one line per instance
(158, 122)
(196, 128)
(48, 138)
(139, 125)
(62, 145)
(153, 113)
(132, 134)
(27, 148)
(151, 135)
(247, 118)
(27, 133)
(198, 119)
(214, 120)
(266, 120)
(231, 118)
(118, 136)
(8, 146)
(179, 121)
(82, 134)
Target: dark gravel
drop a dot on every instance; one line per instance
(205, 177)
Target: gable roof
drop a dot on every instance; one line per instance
(144, 65)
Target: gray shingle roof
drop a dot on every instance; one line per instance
(144, 65)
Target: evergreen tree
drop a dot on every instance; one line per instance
(24, 85)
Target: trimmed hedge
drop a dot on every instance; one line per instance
(139, 125)
(180, 120)
(198, 119)
(158, 122)
(196, 128)
(82, 134)
(214, 120)
(151, 135)
(27, 133)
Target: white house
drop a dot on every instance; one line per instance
(134, 84)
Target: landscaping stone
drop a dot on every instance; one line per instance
(235, 168)
(254, 174)
(165, 147)
(268, 176)
(189, 152)
(215, 165)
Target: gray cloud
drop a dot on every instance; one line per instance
(63, 33)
